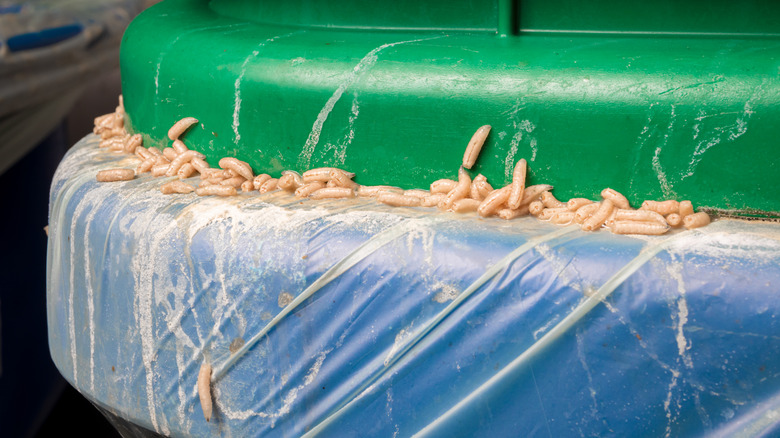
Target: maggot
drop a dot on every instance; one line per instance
(216, 189)
(290, 181)
(574, 204)
(179, 127)
(480, 188)
(634, 227)
(616, 197)
(494, 201)
(459, 192)
(508, 213)
(696, 220)
(269, 185)
(518, 184)
(204, 389)
(260, 180)
(181, 160)
(465, 205)
(443, 186)
(398, 200)
(111, 175)
(475, 146)
(599, 217)
(176, 187)
(333, 193)
(663, 208)
(371, 191)
(307, 189)
(239, 167)
(550, 201)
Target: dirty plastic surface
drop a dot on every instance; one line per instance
(355, 319)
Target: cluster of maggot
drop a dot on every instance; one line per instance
(463, 195)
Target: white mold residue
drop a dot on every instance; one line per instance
(670, 419)
(368, 61)
(594, 411)
(400, 340)
(341, 148)
(426, 235)
(94, 197)
(534, 149)
(288, 399)
(237, 85)
(522, 128)
(509, 161)
(680, 318)
(723, 240)
(720, 134)
(444, 292)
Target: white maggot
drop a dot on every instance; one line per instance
(696, 220)
(204, 389)
(465, 205)
(333, 193)
(371, 191)
(398, 200)
(260, 180)
(216, 189)
(179, 127)
(307, 189)
(518, 184)
(599, 217)
(475, 146)
(634, 227)
(663, 208)
(574, 204)
(269, 185)
(459, 192)
(443, 186)
(494, 201)
(239, 167)
(617, 198)
(176, 187)
(111, 175)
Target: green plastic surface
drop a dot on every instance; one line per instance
(653, 116)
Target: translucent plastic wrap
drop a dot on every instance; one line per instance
(351, 318)
(49, 51)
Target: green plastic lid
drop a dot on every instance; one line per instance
(657, 100)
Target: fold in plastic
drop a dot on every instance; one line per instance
(350, 318)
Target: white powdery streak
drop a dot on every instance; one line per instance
(420, 230)
(97, 194)
(521, 128)
(509, 162)
(581, 356)
(683, 345)
(659, 172)
(237, 103)
(181, 365)
(665, 187)
(289, 398)
(145, 263)
(368, 61)
(668, 403)
(736, 130)
(341, 151)
(79, 210)
(400, 340)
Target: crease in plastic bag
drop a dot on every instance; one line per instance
(352, 319)
(49, 51)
